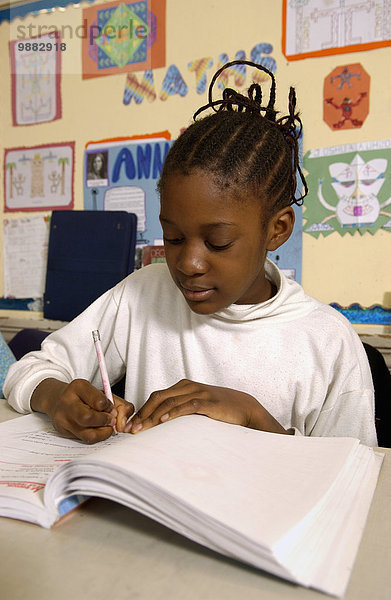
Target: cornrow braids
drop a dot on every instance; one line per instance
(243, 143)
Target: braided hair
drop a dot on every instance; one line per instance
(243, 144)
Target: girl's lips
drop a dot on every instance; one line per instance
(197, 295)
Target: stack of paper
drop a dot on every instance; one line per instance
(293, 506)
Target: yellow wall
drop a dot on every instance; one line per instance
(340, 269)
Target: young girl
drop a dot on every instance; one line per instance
(219, 330)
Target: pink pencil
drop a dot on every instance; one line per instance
(103, 368)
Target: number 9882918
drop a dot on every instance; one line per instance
(41, 46)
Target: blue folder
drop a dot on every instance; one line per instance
(89, 252)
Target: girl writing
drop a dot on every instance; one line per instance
(219, 330)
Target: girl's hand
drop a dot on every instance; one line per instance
(80, 410)
(189, 397)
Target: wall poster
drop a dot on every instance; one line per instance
(36, 79)
(122, 175)
(123, 36)
(320, 28)
(350, 188)
(39, 177)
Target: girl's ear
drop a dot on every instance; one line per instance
(280, 227)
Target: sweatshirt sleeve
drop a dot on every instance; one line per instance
(351, 416)
(349, 409)
(69, 353)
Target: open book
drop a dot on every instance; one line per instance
(293, 506)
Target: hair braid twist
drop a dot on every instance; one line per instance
(243, 143)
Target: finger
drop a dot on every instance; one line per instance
(173, 407)
(151, 418)
(195, 406)
(157, 398)
(85, 417)
(94, 434)
(90, 435)
(89, 394)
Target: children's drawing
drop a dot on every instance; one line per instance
(320, 28)
(39, 177)
(346, 97)
(123, 37)
(35, 77)
(349, 191)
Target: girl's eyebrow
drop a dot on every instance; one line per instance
(206, 226)
(220, 224)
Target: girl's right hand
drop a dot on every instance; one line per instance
(80, 410)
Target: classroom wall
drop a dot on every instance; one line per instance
(352, 268)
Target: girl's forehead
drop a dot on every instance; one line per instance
(198, 198)
(204, 187)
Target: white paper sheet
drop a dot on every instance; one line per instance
(25, 256)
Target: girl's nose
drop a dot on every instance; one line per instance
(191, 260)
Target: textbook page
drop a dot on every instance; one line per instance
(30, 450)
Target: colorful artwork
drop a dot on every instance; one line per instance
(39, 177)
(123, 37)
(36, 79)
(350, 188)
(346, 97)
(319, 28)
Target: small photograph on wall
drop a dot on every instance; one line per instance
(36, 79)
(97, 169)
(39, 177)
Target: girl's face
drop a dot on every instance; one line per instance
(215, 243)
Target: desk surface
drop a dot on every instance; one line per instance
(106, 551)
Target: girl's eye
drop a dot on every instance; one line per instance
(219, 247)
(173, 240)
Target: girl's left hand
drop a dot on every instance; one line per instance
(189, 397)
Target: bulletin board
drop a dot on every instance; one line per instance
(198, 39)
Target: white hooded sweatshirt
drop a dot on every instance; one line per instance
(299, 358)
